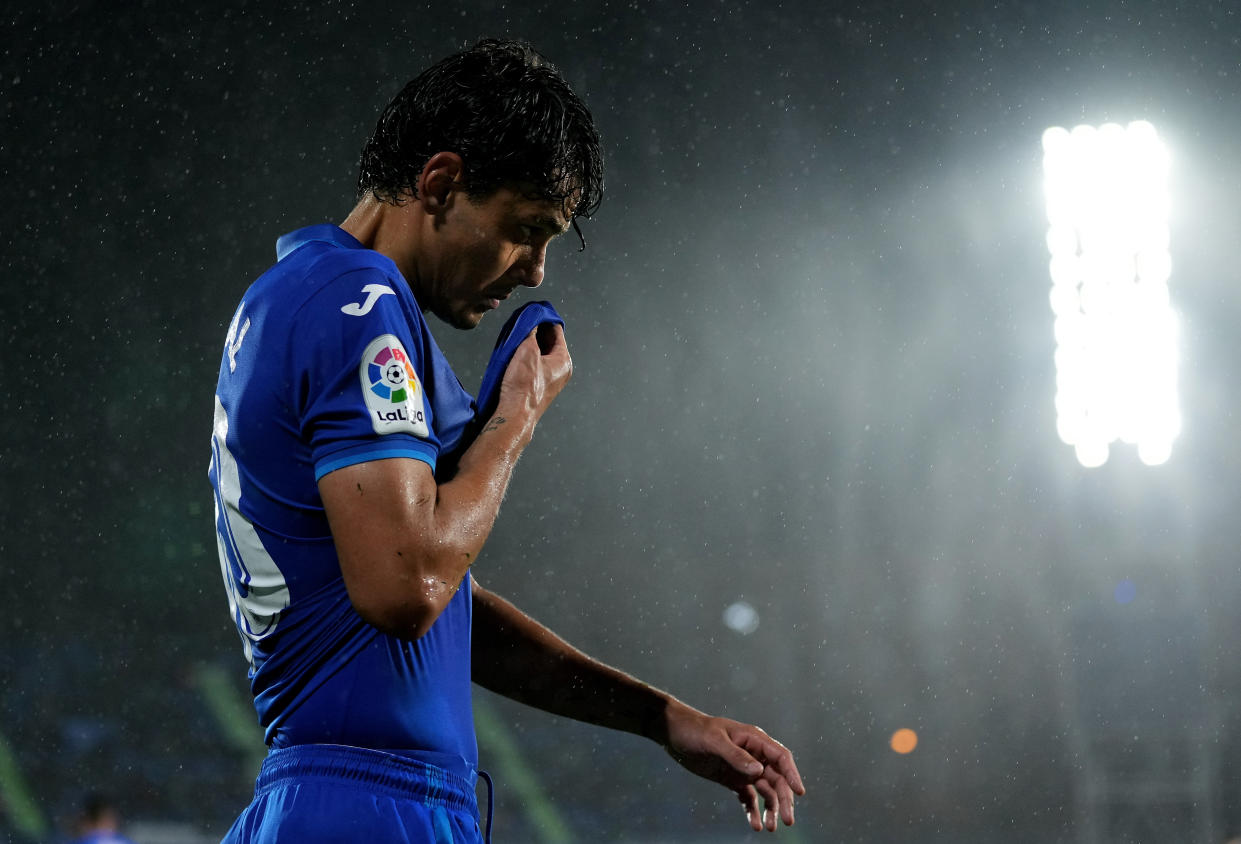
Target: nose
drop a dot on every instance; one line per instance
(529, 270)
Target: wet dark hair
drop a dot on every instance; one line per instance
(508, 113)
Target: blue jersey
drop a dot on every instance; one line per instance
(102, 838)
(328, 362)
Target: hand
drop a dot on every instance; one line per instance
(738, 756)
(539, 370)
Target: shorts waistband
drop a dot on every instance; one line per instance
(393, 775)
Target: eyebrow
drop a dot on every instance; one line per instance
(550, 224)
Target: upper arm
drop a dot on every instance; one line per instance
(381, 513)
(358, 395)
(356, 380)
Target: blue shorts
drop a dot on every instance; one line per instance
(329, 793)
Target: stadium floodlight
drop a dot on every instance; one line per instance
(1116, 333)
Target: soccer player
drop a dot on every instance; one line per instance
(99, 822)
(354, 488)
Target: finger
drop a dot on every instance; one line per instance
(749, 800)
(784, 790)
(739, 760)
(771, 803)
(785, 793)
(776, 755)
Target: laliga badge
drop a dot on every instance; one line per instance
(393, 394)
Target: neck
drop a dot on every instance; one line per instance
(388, 229)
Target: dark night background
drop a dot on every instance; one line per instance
(814, 373)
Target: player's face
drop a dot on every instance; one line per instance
(490, 248)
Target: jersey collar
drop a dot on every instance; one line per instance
(324, 232)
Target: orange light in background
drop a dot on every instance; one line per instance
(904, 740)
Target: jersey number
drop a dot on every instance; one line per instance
(232, 343)
(257, 590)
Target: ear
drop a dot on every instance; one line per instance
(442, 174)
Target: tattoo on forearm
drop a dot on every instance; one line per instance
(496, 422)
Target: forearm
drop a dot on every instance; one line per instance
(466, 507)
(406, 543)
(515, 656)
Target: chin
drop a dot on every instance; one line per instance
(463, 319)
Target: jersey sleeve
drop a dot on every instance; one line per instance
(358, 355)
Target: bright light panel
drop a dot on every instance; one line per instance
(1116, 333)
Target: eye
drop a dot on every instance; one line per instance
(526, 233)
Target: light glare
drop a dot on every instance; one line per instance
(741, 617)
(1107, 210)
